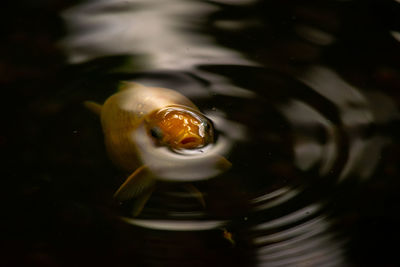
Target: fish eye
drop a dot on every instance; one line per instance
(156, 132)
(207, 126)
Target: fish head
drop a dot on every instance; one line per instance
(180, 127)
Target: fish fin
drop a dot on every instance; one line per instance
(223, 164)
(228, 236)
(141, 202)
(128, 85)
(196, 193)
(93, 107)
(137, 183)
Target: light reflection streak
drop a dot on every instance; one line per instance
(293, 217)
(190, 214)
(273, 194)
(175, 225)
(278, 200)
(314, 35)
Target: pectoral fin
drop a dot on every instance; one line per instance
(196, 193)
(141, 202)
(93, 107)
(223, 164)
(139, 182)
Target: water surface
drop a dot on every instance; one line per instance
(306, 96)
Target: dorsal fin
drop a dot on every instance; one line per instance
(129, 85)
(93, 107)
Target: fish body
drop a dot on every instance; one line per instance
(156, 133)
(123, 113)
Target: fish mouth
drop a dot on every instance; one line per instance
(190, 141)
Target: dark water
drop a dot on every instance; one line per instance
(306, 92)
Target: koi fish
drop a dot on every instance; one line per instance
(157, 134)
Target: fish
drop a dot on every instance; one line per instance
(228, 236)
(155, 133)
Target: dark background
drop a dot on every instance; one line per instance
(55, 212)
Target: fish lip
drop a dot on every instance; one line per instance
(190, 141)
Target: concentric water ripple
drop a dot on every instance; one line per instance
(301, 137)
(288, 158)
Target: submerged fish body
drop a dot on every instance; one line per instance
(157, 133)
(123, 113)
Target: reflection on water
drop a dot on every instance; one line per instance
(309, 242)
(357, 113)
(163, 32)
(307, 113)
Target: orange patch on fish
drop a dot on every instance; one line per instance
(179, 128)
